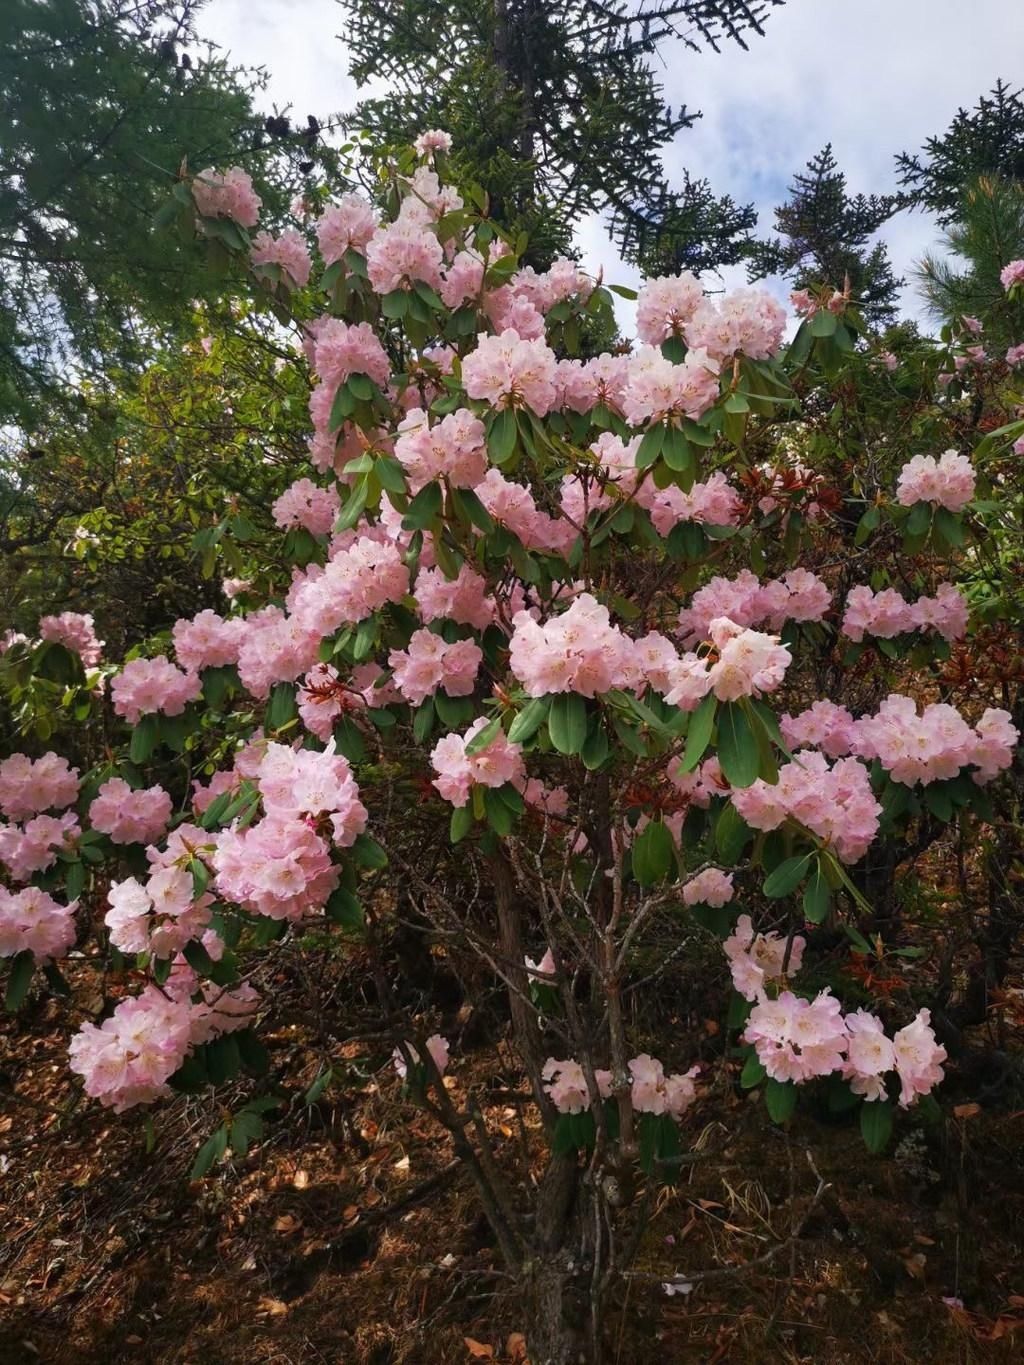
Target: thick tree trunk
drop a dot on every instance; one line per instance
(556, 1280)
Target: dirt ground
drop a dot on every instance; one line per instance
(350, 1236)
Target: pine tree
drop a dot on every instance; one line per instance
(100, 103)
(825, 235)
(553, 104)
(964, 280)
(987, 140)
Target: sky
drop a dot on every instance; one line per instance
(874, 77)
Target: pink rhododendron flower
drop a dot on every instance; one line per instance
(746, 321)
(32, 921)
(566, 1086)
(305, 504)
(278, 867)
(919, 1058)
(302, 782)
(578, 651)
(29, 787)
(288, 251)
(755, 960)
(76, 632)
(511, 371)
(462, 599)
(227, 196)
(710, 887)
(836, 802)
(749, 662)
(1015, 355)
(33, 847)
(207, 640)
(1012, 274)
(430, 662)
(946, 482)
(796, 1039)
(437, 1048)
(658, 390)
(345, 226)
(665, 305)
(869, 1055)
(402, 253)
(455, 448)
(145, 686)
(824, 726)
(499, 762)
(433, 140)
(935, 745)
(130, 817)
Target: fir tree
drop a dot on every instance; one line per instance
(553, 104)
(824, 238)
(987, 140)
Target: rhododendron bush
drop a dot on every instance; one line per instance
(572, 653)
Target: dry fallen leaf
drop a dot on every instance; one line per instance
(915, 1265)
(515, 1348)
(966, 1111)
(478, 1350)
(300, 1179)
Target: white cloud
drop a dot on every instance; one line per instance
(874, 77)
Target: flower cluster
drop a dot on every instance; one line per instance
(279, 867)
(887, 613)
(1012, 274)
(76, 632)
(295, 783)
(836, 802)
(32, 921)
(798, 595)
(28, 787)
(755, 960)
(345, 226)
(463, 599)
(207, 640)
(230, 195)
(799, 1040)
(746, 664)
(492, 766)
(430, 662)
(129, 1058)
(454, 448)
(945, 482)
(710, 887)
(145, 686)
(130, 817)
(33, 847)
(659, 390)
(305, 504)
(578, 651)
(651, 1090)
(937, 744)
(511, 371)
(288, 251)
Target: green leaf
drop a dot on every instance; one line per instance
(395, 305)
(424, 509)
(502, 436)
(780, 1100)
(423, 721)
(654, 853)
(484, 737)
(349, 739)
(253, 1051)
(144, 738)
(368, 853)
(787, 876)
(876, 1125)
(223, 1059)
(210, 1152)
(246, 1128)
(650, 447)
(869, 522)
(939, 801)
(529, 720)
(281, 707)
(23, 965)
(920, 519)
(732, 834)
(737, 747)
(198, 958)
(817, 896)
(477, 512)
(567, 722)
(698, 732)
(824, 323)
(595, 749)
(950, 526)
(343, 908)
(499, 817)
(461, 823)
(319, 1086)
(753, 1072)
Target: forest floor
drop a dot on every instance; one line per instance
(349, 1236)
